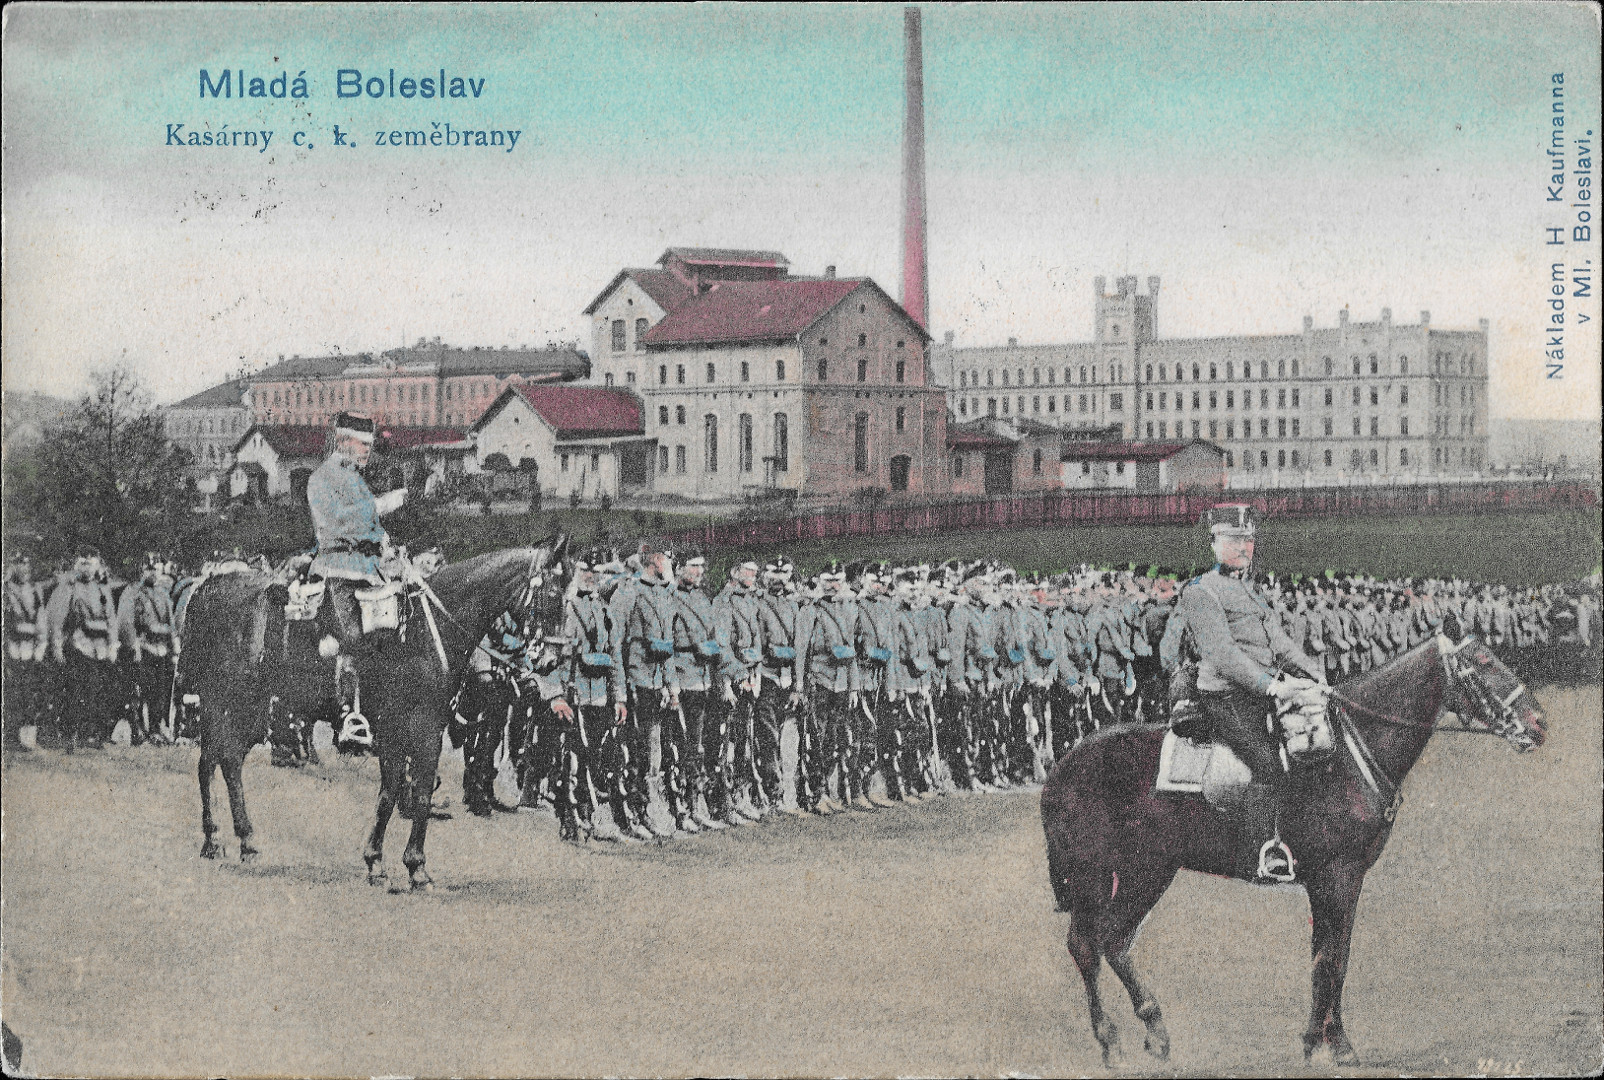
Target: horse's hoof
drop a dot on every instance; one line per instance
(378, 877)
(248, 854)
(421, 881)
(210, 850)
(1158, 1046)
(1109, 1038)
(1344, 1055)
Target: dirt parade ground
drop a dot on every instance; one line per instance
(912, 941)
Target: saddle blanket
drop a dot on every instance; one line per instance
(1186, 767)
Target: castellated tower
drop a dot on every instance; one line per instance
(1126, 318)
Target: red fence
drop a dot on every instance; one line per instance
(1106, 508)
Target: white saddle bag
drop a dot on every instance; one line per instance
(381, 607)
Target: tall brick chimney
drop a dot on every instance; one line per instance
(915, 270)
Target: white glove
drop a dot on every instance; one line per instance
(390, 501)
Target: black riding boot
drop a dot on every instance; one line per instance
(1260, 845)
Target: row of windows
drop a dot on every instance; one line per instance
(1443, 364)
(368, 394)
(595, 462)
(619, 344)
(409, 419)
(1160, 402)
(210, 426)
(1283, 428)
(780, 459)
(971, 378)
(1084, 403)
(710, 372)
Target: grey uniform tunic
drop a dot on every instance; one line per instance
(589, 628)
(777, 616)
(1237, 635)
(823, 626)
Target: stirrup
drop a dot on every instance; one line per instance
(355, 729)
(1265, 873)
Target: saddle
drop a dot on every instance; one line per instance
(1189, 762)
(1191, 767)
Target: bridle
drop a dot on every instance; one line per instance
(534, 588)
(1497, 718)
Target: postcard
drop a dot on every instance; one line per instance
(793, 515)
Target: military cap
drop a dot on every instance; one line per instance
(354, 425)
(1232, 519)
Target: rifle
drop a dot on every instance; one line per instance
(169, 725)
(1044, 752)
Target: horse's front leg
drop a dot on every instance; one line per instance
(209, 846)
(416, 805)
(233, 778)
(1333, 900)
(390, 779)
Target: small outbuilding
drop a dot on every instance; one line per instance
(574, 439)
(1143, 467)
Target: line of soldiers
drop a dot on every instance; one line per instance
(83, 652)
(662, 709)
(665, 709)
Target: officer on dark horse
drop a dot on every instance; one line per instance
(1116, 837)
(410, 638)
(1241, 646)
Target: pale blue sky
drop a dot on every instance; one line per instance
(1265, 160)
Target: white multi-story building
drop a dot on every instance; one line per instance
(1377, 400)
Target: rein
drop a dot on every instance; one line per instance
(1364, 758)
(428, 596)
(1463, 727)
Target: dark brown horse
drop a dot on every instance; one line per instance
(245, 664)
(1114, 845)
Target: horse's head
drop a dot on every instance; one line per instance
(1486, 694)
(539, 609)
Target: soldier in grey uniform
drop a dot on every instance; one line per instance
(738, 626)
(591, 776)
(25, 648)
(876, 724)
(826, 671)
(81, 621)
(145, 627)
(777, 696)
(645, 609)
(695, 744)
(1241, 647)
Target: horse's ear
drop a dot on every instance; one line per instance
(559, 550)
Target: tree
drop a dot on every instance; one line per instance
(105, 475)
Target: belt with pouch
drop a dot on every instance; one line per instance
(345, 547)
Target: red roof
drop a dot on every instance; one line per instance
(1121, 451)
(665, 288)
(734, 311)
(723, 257)
(579, 412)
(290, 440)
(969, 438)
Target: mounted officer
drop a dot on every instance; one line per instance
(350, 540)
(1241, 648)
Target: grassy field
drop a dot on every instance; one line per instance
(1523, 548)
(914, 941)
(1529, 548)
